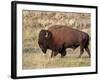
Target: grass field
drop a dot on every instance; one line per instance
(34, 21)
(40, 60)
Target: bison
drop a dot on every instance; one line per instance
(60, 37)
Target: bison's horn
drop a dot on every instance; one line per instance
(46, 35)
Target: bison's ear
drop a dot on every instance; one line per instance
(48, 35)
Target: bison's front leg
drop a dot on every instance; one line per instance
(63, 54)
(53, 54)
(81, 50)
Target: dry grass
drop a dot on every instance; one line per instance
(38, 60)
(34, 21)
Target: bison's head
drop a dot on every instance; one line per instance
(45, 39)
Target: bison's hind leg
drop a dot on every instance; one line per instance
(88, 51)
(81, 50)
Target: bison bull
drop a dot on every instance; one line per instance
(59, 37)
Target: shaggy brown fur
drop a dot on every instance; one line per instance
(59, 37)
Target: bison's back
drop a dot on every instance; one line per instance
(67, 35)
(64, 33)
